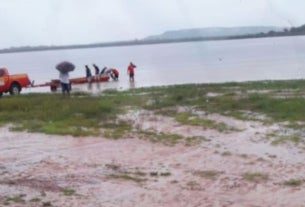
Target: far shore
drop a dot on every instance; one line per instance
(143, 42)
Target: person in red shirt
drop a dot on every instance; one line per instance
(130, 71)
(115, 74)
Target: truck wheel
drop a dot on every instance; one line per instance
(53, 88)
(1, 95)
(15, 89)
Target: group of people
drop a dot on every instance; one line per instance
(112, 72)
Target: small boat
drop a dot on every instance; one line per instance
(104, 78)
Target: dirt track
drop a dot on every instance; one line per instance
(43, 170)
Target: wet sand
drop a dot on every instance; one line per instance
(43, 170)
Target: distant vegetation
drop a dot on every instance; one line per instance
(213, 32)
(294, 31)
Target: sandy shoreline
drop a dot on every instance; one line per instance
(236, 168)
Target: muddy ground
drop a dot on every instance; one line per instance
(238, 167)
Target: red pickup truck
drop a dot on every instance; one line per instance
(12, 83)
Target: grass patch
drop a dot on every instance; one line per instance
(280, 110)
(193, 141)
(244, 156)
(167, 139)
(226, 154)
(35, 200)
(193, 120)
(116, 130)
(15, 199)
(127, 177)
(286, 139)
(83, 115)
(113, 167)
(162, 174)
(154, 174)
(293, 182)
(68, 192)
(255, 176)
(46, 204)
(193, 185)
(209, 174)
(165, 174)
(53, 114)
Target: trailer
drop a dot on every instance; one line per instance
(55, 83)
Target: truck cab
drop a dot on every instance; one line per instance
(12, 84)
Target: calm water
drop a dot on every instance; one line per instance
(197, 62)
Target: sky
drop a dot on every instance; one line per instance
(64, 22)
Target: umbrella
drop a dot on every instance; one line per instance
(65, 67)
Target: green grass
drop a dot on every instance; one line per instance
(84, 115)
(114, 167)
(193, 185)
(293, 182)
(162, 174)
(154, 174)
(167, 139)
(279, 110)
(46, 204)
(68, 192)
(165, 174)
(127, 177)
(116, 130)
(255, 176)
(286, 139)
(193, 120)
(15, 199)
(209, 174)
(35, 200)
(53, 114)
(194, 141)
(226, 154)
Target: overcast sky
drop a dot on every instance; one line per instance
(61, 22)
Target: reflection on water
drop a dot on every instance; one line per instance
(132, 84)
(89, 86)
(98, 86)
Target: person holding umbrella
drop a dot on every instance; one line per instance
(64, 68)
(65, 83)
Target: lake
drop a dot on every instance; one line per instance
(178, 63)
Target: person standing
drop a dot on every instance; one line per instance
(115, 74)
(88, 74)
(65, 83)
(97, 72)
(131, 71)
(103, 70)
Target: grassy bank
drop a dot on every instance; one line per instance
(84, 115)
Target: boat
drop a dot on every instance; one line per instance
(55, 83)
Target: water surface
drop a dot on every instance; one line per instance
(179, 63)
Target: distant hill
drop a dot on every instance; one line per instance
(190, 35)
(212, 32)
